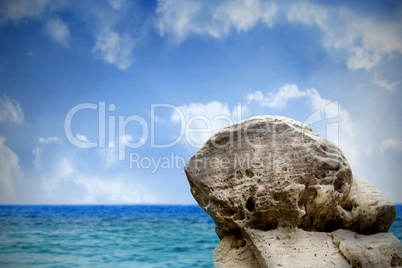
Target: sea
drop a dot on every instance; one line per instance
(111, 236)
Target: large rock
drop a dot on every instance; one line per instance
(293, 247)
(269, 173)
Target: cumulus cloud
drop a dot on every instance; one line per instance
(242, 15)
(112, 47)
(307, 13)
(66, 168)
(10, 172)
(84, 142)
(376, 39)
(37, 151)
(340, 131)
(117, 4)
(67, 175)
(19, 9)
(82, 138)
(93, 187)
(199, 121)
(361, 58)
(183, 18)
(111, 154)
(119, 190)
(279, 99)
(58, 31)
(64, 171)
(115, 49)
(337, 123)
(10, 110)
(383, 83)
(365, 40)
(329, 118)
(392, 144)
(47, 140)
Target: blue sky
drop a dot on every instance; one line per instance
(143, 76)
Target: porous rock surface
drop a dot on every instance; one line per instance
(272, 176)
(294, 247)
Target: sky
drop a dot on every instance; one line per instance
(103, 102)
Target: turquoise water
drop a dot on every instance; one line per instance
(111, 236)
(106, 236)
(396, 227)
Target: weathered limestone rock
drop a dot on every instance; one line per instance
(233, 252)
(273, 171)
(293, 247)
(378, 250)
(272, 174)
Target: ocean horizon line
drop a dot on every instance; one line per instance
(119, 204)
(102, 204)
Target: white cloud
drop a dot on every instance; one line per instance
(242, 15)
(199, 121)
(115, 49)
(330, 119)
(51, 139)
(308, 14)
(10, 172)
(64, 171)
(93, 186)
(362, 58)
(19, 9)
(383, 83)
(365, 40)
(117, 4)
(84, 142)
(111, 152)
(331, 108)
(392, 144)
(116, 190)
(37, 152)
(279, 99)
(239, 111)
(183, 18)
(82, 138)
(317, 102)
(110, 46)
(376, 38)
(339, 126)
(65, 168)
(10, 110)
(178, 18)
(58, 31)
